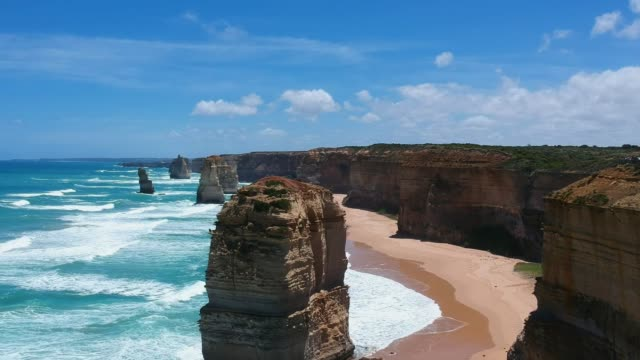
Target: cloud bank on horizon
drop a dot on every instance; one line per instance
(203, 83)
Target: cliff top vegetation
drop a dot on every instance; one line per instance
(528, 158)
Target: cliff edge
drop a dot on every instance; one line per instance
(275, 278)
(589, 294)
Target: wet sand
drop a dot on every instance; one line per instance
(483, 302)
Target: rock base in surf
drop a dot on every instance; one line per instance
(275, 278)
(146, 185)
(589, 294)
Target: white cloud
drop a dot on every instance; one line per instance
(309, 103)
(272, 132)
(135, 63)
(444, 59)
(607, 22)
(366, 118)
(364, 96)
(478, 122)
(248, 105)
(190, 16)
(632, 31)
(547, 39)
(601, 107)
(635, 6)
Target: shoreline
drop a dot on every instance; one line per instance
(483, 301)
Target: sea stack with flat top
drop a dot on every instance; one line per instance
(275, 278)
(146, 185)
(589, 293)
(180, 168)
(216, 178)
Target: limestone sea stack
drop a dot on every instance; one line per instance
(180, 168)
(216, 178)
(275, 278)
(589, 294)
(146, 185)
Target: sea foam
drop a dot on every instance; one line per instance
(56, 193)
(94, 284)
(74, 207)
(20, 203)
(18, 243)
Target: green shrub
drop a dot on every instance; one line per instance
(595, 199)
(261, 206)
(282, 204)
(248, 191)
(274, 183)
(528, 269)
(275, 192)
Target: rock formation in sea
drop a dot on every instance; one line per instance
(478, 196)
(180, 168)
(146, 185)
(589, 294)
(275, 278)
(216, 178)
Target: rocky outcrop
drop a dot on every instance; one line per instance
(275, 278)
(463, 197)
(216, 178)
(589, 294)
(256, 165)
(146, 185)
(180, 168)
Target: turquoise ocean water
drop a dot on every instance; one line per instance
(90, 269)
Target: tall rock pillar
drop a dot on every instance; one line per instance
(275, 278)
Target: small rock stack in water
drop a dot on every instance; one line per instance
(146, 186)
(275, 278)
(180, 168)
(589, 294)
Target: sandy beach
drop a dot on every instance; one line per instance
(483, 301)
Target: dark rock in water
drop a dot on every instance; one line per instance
(146, 185)
(180, 168)
(589, 294)
(216, 178)
(275, 278)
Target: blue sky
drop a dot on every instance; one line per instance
(87, 78)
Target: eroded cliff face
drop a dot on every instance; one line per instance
(589, 294)
(256, 165)
(464, 197)
(180, 168)
(275, 278)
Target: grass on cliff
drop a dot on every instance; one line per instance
(529, 158)
(595, 199)
(528, 270)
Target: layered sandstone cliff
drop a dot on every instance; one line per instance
(214, 176)
(275, 278)
(589, 294)
(256, 165)
(180, 168)
(146, 185)
(461, 196)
